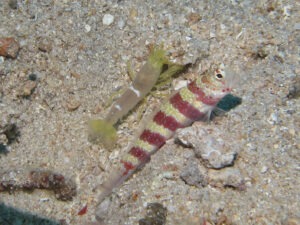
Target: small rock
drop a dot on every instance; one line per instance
(65, 190)
(156, 215)
(28, 88)
(287, 11)
(193, 18)
(9, 47)
(273, 118)
(264, 169)
(121, 24)
(192, 175)
(108, 19)
(223, 220)
(216, 159)
(294, 90)
(44, 45)
(3, 139)
(11, 132)
(227, 177)
(87, 28)
(133, 13)
(261, 52)
(216, 152)
(32, 77)
(73, 104)
(13, 4)
(216, 208)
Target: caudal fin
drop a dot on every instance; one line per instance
(114, 180)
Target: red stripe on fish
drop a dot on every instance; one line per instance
(208, 100)
(128, 166)
(168, 122)
(153, 138)
(140, 154)
(185, 108)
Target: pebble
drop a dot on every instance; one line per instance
(32, 77)
(294, 89)
(264, 169)
(13, 4)
(121, 24)
(156, 215)
(87, 28)
(216, 152)
(108, 19)
(193, 18)
(227, 177)
(216, 159)
(72, 104)
(192, 175)
(3, 141)
(44, 45)
(9, 47)
(273, 118)
(261, 52)
(11, 132)
(28, 88)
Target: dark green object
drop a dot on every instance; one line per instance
(226, 104)
(3, 149)
(229, 102)
(32, 77)
(12, 216)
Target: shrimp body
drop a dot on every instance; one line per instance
(103, 131)
(191, 103)
(144, 81)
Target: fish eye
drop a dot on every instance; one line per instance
(219, 76)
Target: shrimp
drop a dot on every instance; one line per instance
(103, 130)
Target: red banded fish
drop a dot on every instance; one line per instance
(191, 103)
(151, 74)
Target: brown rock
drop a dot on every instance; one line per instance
(44, 45)
(227, 177)
(193, 18)
(28, 88)
(9, 47)
(72, 104)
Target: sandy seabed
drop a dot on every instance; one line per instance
(77, 53)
